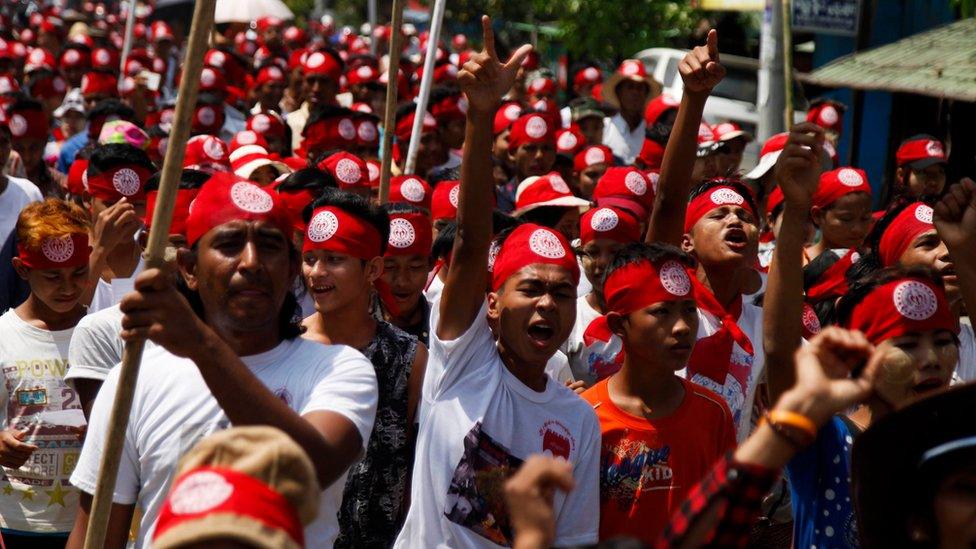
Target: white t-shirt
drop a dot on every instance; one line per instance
(173, 409)
(111, 293)
(745, 371)
(433, 292)
(592, 355)
(18, 194)
(480, 423)
(96, 346)
(625, 143)
(37, 497)
(966, 368)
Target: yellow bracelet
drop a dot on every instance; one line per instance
(795, 420)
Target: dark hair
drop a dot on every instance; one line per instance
(444, 242)
(443, 174)
(860, 289)
(812, 272)
(733, 182)
(354, 205)
(402, 207)
(312, 179)
(25, 103)
(325, 112)
(189, 179)
(106, 157)
(404, 109)
(112, 107)
(547, 216)
(657, 253)
(439, 93)
(207, 98)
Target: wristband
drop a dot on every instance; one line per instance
(798, 429)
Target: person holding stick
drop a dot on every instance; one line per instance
(227, 354)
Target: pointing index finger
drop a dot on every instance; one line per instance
(489, 36)
(712, 44)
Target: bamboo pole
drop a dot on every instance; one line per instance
(392, 72)
(418, 120)
(788, 63)
(203, 15)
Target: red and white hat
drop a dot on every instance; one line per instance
(768, 156)
(569, 141)
(609, 223)
(542, 85)
(531, 128)
(245, 160)
(267, 123)
(269, 73)
(727, 131)
(445, 202)
(658, 106)
(105, 59)
(321, 63)
(827, 114)
(587, 75)
(633, 70)
(206, 152)
(39, 58)
(75, 57)
(920, 152)
(247, 137)
(531, 244)
(505, 115)
(349, 170)
(547, 190)
(590, 155)
(225, 198)
(363, 74)
(411, 189)
(625, 187)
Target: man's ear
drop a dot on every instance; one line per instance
(493, 306)
(374, 268)
(687, 243)
(817, 215)
(617, 323)
(186, 261)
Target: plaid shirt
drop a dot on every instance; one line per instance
(732, 492)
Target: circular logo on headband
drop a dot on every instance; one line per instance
(247, 138)
(102, 57)
(72, 56)
(206, 116)
(261, 123)
(934, 148)
(453, 195)
(512, 112)
(212, 148)
(251, 198)
(850, 177)
(558, 184)
(726, 196)
(594, 156)
(604, 220)
(315, 60)
(374, 171)
(914, 300)
(126, 181)
(364, 72)
(635, 183)
(810, 319)
(208, 77)
(200, 492)
(217, 58)
(567, 141)
(412, 190)
(544, 243)
(629, 68)
(402, 234)
(348, 172)
(366, 131)
(675, 279)
(18, 125)
(347, 130)
(923, 213)
(535, 127)
(323, 226)
(538, 84)
(58, 249)
(829, 115)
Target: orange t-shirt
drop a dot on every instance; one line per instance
(647, 466)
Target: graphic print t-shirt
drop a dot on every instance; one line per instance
(647, 467)
(37, 497)
(478, 423)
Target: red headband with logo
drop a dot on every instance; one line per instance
(909, 223)
(295, 202)
(923, 148)
(638, 285)
(336, 230)
(610, 224)
(404, 126)
(225, 198)
(214, 490)
(181, 209)
(531, 128)
(57, 252)
(349, 170)
(331, 133)
(410, 234)
(320, 63)
(410, 189)
(530, 244)
(127, 181)
(900, 307)
(28, 124)
(445, 200)
(707, 201)
(593, 154)
(839, 183)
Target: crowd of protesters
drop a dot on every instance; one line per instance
(579, 321)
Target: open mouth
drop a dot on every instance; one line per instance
(541, 333)
(736, 239)
(929, 385)
(321, 290)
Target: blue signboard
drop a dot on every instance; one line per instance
(839, 17)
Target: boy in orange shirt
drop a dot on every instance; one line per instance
(660, 433)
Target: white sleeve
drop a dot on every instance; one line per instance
(94, 350)
(558, 368)
(350, 390)
(85, 475)
(449, 360)
(578, 522)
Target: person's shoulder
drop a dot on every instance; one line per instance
(596, 394)
(26, 187)
(306, 352)
(8, 318)
(108, 319)
(705, 401)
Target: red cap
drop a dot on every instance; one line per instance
(105, 59)
(921, 152)
(160, 31)
(774, 199)
(78, 177)
(410, 234)
(592, 154)
(206, 151)
(181, 209)
(321, 63)
(451, 107)
(367, 134)
(900, 307)
(363, 74)
(331, 133)
(267, 22)
(652, 154)
(225, 198)
(587, 75)
(445, 201)
(727, 131)
(269, 73)
(531, 128)
(349, 170)
(404, 126)
(531, 244)
(827, 116)
(295, 36)
(39, 58)
(505, 115)
(840, 182)
(626, 183)
(658, 106)
(569, 141)
(547, 190)
(212, 80)
(542, 86)
(208, 119)
(75, 57)
(27, 124)
(768, 155)
(410, 189)
(95, 82)
(247, 137)
(610, 224)
(267, 123)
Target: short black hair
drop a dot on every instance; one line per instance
(312, 179)
(656, 253)
(112, 107)
(105, 157)
(860, 289)
(25, 103)
(733, 182)
(444, 242)
(439, 93)
(402, 207)
(404, 109)
(326, 112)
(438, 175)
(354, 205)
(189, 179)
(547, 216)
(207, 98)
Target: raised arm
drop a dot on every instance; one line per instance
(955, 220)
(484, 80)
(798, 175)
(700, 71)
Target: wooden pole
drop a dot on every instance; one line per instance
(392, 71)
(788, 63)
(203, 15)
(127, 44)
(418, 120)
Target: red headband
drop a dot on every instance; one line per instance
(839, 183)
(610, 224)
(331, 133)
(28, 124)
(348, 169)
(410, 189)
(530, 244)
(127, 181)
(901, 307)
(225, 198)
(909, 223)
(181, 209)
(709, 200)
(295, 203)
(404, 127)
(410, 234)
(336, 230)
(445, 200)
(638, 285)
(213, 490)
(71, 250)
(322, 64)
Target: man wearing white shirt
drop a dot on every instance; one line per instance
(628, 90)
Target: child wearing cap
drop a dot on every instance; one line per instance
(548, 201)
(841, 209)
(661, 433)
(921, 162)
(42, 419)
(486, 370)
(345, 241)
(589, 165)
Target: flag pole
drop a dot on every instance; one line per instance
(392, 72)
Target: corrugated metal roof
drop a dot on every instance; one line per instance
(940, 63)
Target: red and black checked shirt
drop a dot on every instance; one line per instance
(732, 492)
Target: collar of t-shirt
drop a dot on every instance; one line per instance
(522, 389)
